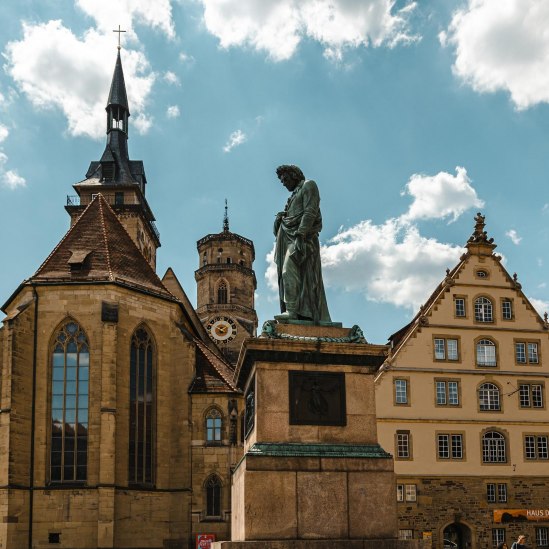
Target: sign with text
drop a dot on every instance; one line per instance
(521, 515)
(204, 541)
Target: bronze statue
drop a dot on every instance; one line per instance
(297, 253)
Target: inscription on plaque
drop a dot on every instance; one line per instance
(317, 398)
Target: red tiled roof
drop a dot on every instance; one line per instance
(108, 251)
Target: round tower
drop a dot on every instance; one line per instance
(226, 285)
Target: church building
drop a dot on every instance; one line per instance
(119, 419)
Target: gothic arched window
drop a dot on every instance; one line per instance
(69, 405)
(213, 426)
(142, 401)
(222, 292)
(493, 447)
(213, 496)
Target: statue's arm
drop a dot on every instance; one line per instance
(278, 221)
(311, 207)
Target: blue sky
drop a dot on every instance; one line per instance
(410, 117)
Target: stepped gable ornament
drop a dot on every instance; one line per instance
(545, 321)
(297, 252)
(516, 284)
(479, 235)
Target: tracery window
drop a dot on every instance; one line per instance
(484, 311)
(69, 406)
(213, 426)
(222, 292)
(488, 397)
(213, 496)
(493, 447)
(142, 402)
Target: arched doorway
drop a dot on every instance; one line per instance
(457, 536)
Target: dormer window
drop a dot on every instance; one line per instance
(77, 261)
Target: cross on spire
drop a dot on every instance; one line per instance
(119, 33)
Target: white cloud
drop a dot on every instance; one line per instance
(171, 78)
(513, 235)
(126, 13)
(392, 262)
(278, 26)
(4, 132)
(56, 69)
(10, 178)
(440, 196)
(235, 139)
(503, 45)
(173, 111)
(540, 305)
(186, 58)
(143, 123)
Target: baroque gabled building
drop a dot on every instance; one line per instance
(118, 414)
(461, 400)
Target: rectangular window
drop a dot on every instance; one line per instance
(533, 353)
(531, 395)
(411, 492)
(405, 534)
(403, 444)
(526, 352)
(536, 447)
(450, 446)
(507, 309)
(502, 492)
(401, 391)
(447, 393)
(400, 492)
(459, 303)
(446, 349)
(542, 536)
(496, 492)
(498, 536)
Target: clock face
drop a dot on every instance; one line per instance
(222, 328)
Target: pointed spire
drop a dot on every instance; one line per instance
(226, 218)
(117, 94)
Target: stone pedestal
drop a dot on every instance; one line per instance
(313, 473)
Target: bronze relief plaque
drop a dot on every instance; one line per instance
(317, 398)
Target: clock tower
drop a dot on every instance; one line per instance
(225, 289)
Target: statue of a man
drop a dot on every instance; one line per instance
(297, 253)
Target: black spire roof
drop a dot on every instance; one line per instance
(115, 166)
(117, 95)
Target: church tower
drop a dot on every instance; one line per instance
(225, 288)
(120, 181)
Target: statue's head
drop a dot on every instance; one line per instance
(290, 176)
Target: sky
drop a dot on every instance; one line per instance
(410, 116)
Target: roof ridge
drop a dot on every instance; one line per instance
(133, 243)
(71, 229)
(206, 352)
(99, 197)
